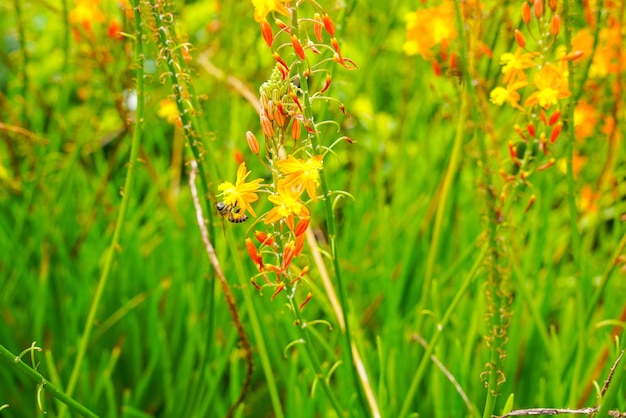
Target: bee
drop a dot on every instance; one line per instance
(232, 213)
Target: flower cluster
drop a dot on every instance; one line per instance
(535, 82)
(292, 149)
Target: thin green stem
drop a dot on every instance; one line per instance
(314, 360)
(332, 239)
(419, 374)
(38, 379)
(121, 217)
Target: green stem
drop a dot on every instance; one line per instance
(417, 378)
(37, 378)
(332, 236)
(121, 217)
(315, 362)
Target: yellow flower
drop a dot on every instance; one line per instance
(513, 65)
(550, 88)
(287, 204)
(240, 194)
(169, 111)
(264, 7)
(501, 95)
(428, 27)
(302, 173)
(85, 13)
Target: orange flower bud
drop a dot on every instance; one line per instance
(278, 58)
(266, 31)
(538, 8)
(555, 25)
(295, 129)
(317, 27)
(267, 126)
(297, 46)
(299, 244)
(254, 255)
(263, 238)
(573, 56)
(553, 4)
(335, 44)
(238, 157)
(554, 117)
(326, 83)
(306, 300)
(253, 143)
(556, 132)
(302, 225)
(294, 96)
(284, 71)
(512, 151)
(547, 165)
(348, 139)
(279, 117)
(288, 254)
(282, 25)
(278, 290)
(531, 130)
(526, 12)
(329, 24)
(520, 39)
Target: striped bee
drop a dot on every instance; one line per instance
(232, 213)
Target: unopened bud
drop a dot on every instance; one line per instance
(253, 143)
(531, 130)
(547, 165)
(573, 56)
(555, 25)
(329, 24)
(538, 8)
(267, 126)
(519, 38)
(263, 238)
(296, 129)
(556, 132)
(526, 12)
(317, 27)
(301, 226)
(326, 83)
(553, 4)
(297, 47)
(266, 31)
(531, 201)
(554, 117)
(306, 300)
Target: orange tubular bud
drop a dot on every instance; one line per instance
(295, 129)
(302, 225)
(279, 116)
(288, 254)
(526, 12)
(299, 244)
(278, 290)
(335, 44)
(317, 27)
(531, 130)
(530, 203)
(266, 31)
(556, 132)
(294, 96)
(519, 38)
(253, 143)
(555, 25)
(538, 8)
(267, 126)
(326, 83)
(573, 56)
(254, 255)
(297, 47)
(329, 24)
(284, 71)
(282, 25)
(547, 165)
(553, 4)
(263, 238)
(306, 300)
(278, 58)
(555, 117)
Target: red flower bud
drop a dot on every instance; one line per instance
(329, 24)
(297, 46)
(526, 12)
(266, 31)
(520, 39)
(317, 27)
(555, 25)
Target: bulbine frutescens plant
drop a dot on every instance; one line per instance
(294, 153)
